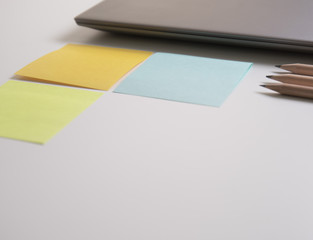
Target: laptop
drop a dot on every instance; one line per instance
(278, 24)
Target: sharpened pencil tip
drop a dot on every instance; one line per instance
(269, 76)
(278, 66)
(263, 85)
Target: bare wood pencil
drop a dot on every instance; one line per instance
(293, 79)
(291, 90)
(298, 68)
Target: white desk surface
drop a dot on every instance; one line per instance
(132, 168)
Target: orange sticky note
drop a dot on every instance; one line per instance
(84, 66)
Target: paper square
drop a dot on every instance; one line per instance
(36, 112)
(84, 66)
(184, 78)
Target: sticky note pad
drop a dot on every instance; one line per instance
(185, 78)
(36, 112)
(84, 66)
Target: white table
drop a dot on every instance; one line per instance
(134, 168)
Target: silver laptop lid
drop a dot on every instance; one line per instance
(276, 23)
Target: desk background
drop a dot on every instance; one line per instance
(138, 168)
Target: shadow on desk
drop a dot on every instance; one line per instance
(286, 97)
(83, 35)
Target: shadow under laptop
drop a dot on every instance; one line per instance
(196, 48)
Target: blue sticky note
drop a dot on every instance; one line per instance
(184, 78)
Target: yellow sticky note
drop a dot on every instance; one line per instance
(84, 66)
(36, 112)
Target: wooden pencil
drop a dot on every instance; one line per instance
(293, 79)
(298, 68)
(290, 89)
